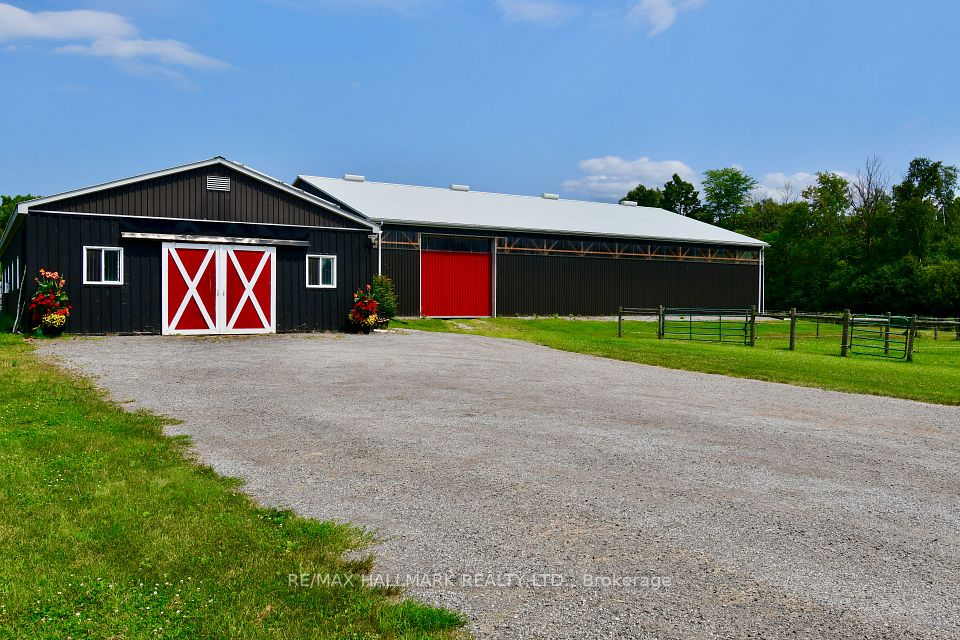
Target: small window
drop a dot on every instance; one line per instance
(102, 265)
(321, 272)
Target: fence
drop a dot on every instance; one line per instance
(883, 336)
(699, 325)
(708, 325)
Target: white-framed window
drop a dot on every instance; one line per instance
(103, 265)
(321, 272)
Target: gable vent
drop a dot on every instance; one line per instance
(216, 183)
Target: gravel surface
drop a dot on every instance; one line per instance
(706, 506)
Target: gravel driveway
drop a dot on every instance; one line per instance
(564, 496)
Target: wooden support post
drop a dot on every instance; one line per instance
(958, 327)
(753, 325)
(936, 331)
(911, 335)
(886, 336)
(845, 345)
(660, 322)
(620, 322)
(793, 329)
(818, 326)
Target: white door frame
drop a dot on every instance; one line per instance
(269, 260)
(218, 255)
(169, 249)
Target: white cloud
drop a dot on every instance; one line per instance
(545, 13)
(659, 15)
(782, 187)
(16, 23)
(164, 52)
(611, 177)
(104, 35)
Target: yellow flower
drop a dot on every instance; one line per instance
(54, 320)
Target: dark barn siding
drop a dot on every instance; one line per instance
(528, 284)
(403, 266)
(302, 309)
(184, 195)
(56, 243)
(544, 285)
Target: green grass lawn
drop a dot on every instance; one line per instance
(108, 531)
(934, 376)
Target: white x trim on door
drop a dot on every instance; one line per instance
(192, 290)
(217, 317)
(267, 316)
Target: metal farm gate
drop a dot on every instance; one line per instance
(881, 336)
(708, 325)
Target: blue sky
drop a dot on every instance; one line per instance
(523, 96)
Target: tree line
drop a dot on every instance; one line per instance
(862, 243)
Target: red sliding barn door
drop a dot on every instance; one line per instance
(190, 287)
(456, 284)
(249, 281)
(211, 289)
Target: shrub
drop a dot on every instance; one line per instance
(385, 295)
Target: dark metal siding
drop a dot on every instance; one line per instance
(302, 309)
(56, 242)
(529, 284)
(403, 266)
(184, 195)
(545, 285)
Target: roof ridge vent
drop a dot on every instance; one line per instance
(460, 187)
(629, 203)
(551, 196)
(349, 177)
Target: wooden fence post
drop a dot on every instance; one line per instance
(886, 336)
(753, 325)
(911, 331)
(620, 322)
(958, 327)
(660, 319)
(793, 329)
(846, 333)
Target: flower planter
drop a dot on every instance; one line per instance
(52, 332)
(49, 306)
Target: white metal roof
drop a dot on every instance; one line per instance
(397, 203)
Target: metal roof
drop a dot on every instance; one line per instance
(397, 203)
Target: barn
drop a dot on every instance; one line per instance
(457, 252)
(215, 247)
(212, 247)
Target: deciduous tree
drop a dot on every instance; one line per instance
(680, 197)
(726, 192)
